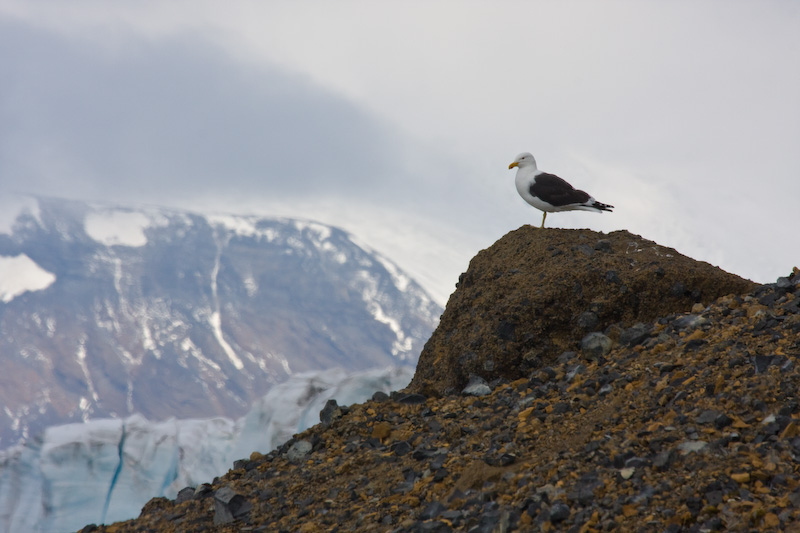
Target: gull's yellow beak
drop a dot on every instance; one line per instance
(512, 165)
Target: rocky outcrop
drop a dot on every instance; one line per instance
(535, 294)
(685, 421)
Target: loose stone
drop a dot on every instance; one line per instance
(595, 345)
(477, 386)
(298, 451)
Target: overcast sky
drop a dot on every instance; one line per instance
(397, 120)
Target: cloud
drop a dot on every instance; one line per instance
(176, 120)
(399, 123)
(153, 120)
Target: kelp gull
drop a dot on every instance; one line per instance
(548, 192)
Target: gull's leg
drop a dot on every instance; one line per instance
(544, 217)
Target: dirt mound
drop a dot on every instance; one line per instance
(535, 294)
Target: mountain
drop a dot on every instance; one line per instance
(586, 409)
(106, 470)
(107, 311)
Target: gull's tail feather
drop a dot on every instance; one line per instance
(601, 206)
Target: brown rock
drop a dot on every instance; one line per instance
(771, 520)
(741, 477)
(381, 430)
(517, 307)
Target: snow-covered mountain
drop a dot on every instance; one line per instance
(104, 471)
(110, 311)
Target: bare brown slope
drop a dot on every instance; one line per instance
(535, 293)
(694, 426)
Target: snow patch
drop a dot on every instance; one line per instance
(148, 343)
(338, 255)
(401, 281)
(282, 360)
(81, 355)
(251, 286)
(48, 325)
(295, 243)
(12, 206)
(372, 297)
(20, 274)
(191, 349)
(243, 226)
(216, 327)
(118, 228)
(319, 231)
(402, 345)
(215, 319)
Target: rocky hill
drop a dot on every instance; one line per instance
(611, 384)
(533, 295)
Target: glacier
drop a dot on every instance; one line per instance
(105, 470)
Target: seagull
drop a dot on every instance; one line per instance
(548, 192)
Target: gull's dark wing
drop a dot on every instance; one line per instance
(555, 191)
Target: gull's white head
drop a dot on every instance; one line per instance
(523, 160)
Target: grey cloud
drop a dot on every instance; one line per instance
(151, 120)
